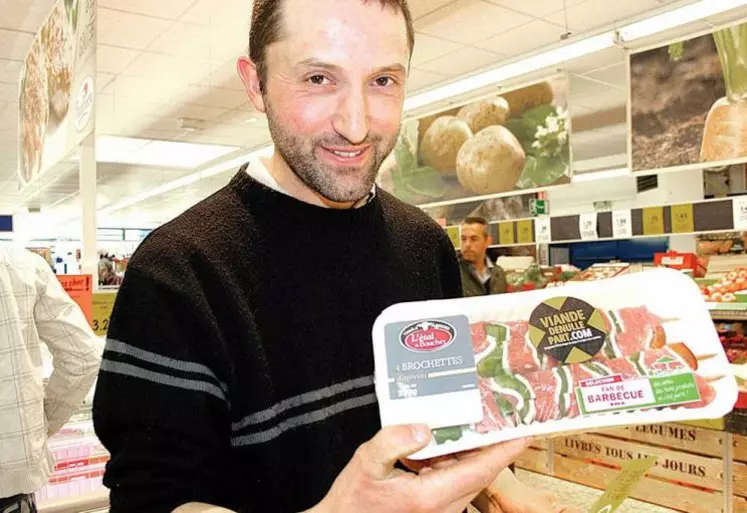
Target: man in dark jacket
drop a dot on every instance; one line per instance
(480, 276)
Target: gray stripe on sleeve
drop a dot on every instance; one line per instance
(302, 420)
(126, 369)
(308, 397)
(164, 361)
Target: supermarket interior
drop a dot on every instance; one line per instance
(596, 139)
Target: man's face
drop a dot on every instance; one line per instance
(474, 242)
(334, 92)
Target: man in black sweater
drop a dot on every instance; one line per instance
(239, 377)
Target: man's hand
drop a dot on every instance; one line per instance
(509, 495)
(371, 483)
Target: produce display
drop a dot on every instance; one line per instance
(518, 140)
(734, 341)
(609, 353)
(602, 272)
(725, 289)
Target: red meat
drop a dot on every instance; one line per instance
(479, 337)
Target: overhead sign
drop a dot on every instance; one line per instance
(56, 94)
(518, 140)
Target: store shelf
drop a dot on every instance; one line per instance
(728, 311)
(708, 216)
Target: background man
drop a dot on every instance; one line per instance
(480, 276)
(35, 309)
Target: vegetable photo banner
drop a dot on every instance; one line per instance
(688, 103)
(56, 88)
(517, 140)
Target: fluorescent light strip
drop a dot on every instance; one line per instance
(513, 70)
(677, 17)
(187, 180)
(601, 175)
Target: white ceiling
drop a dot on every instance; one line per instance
(160, 61)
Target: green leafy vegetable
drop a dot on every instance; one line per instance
(443, 435)
(412, 182)
(542, 171)
(492, 364)
(676, 51)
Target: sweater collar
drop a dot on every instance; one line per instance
(259, 171)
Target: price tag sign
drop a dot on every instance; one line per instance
(525, 231)
(506, 234)
(454, 235)
(653, 221)
(543, 230)
(622, 224)
(682, 219)
(739, 206)
(587, 226)
(103, 304)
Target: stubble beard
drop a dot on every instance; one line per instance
(340, 185)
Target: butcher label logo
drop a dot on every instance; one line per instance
(568, 329)
(428, 336)
(665, 365)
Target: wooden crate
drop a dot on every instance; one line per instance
(740, 448)
(651, 490)
(688, 476)
(536, 458)
(740, 505)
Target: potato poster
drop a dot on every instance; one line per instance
(56, 92)
(518, 140)
(688, 102)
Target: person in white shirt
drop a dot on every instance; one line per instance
(35, 309)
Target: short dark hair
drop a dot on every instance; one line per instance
(267, 18)
(478, 220)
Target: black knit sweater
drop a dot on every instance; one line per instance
(238, 370)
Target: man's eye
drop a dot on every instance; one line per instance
(318, 79)
(384, 81)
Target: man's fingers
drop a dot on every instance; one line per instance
(476, 471)
(391, 444)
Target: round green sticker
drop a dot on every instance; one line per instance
(567, 329)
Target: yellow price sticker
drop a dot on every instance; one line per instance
(454, 236)
(506, 233)
(525, 231)
(683, 220)
(653, 221)
(103, 304)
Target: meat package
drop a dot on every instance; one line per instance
(635, 349)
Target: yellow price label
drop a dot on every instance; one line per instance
(454, 235)
(653, 221)
(103, 304)
(506, 233)
(683, 220)
(525, 231)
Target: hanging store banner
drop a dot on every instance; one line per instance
(56, 95)
(519, 140)
(688, 102)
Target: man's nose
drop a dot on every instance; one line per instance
(352, 117)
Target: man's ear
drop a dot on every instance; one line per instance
(252, 82)
(490, 240)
